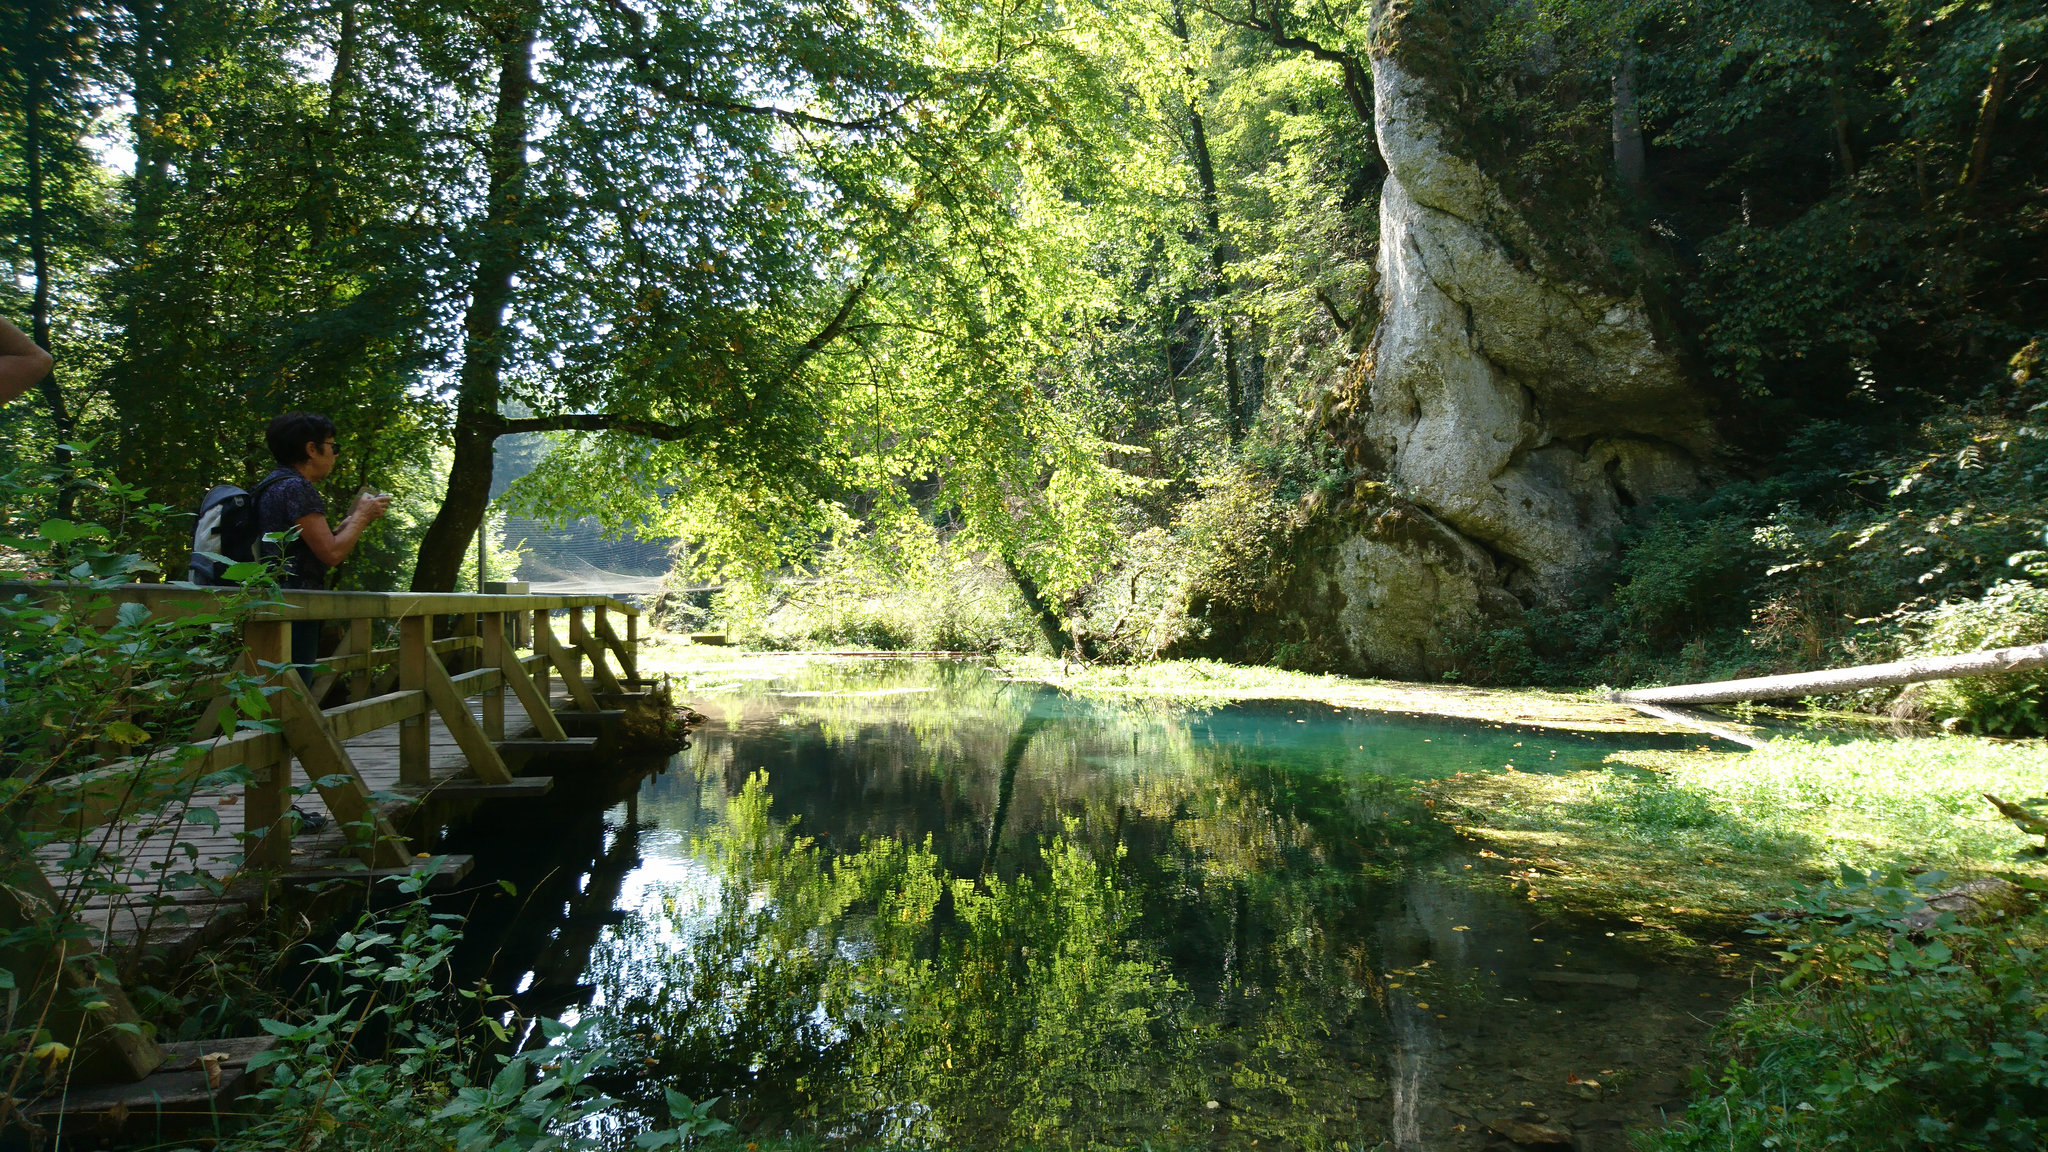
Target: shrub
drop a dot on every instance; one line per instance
(85, 681)
(2009, 614)
(1882, 1036)
(941, 602)
(1685, 576)
(383, 1058)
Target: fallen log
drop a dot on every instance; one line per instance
(1697, 722)
(1991, 663)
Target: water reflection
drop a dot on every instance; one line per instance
(911, 905)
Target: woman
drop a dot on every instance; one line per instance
(303, 443)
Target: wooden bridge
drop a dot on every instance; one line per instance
(425, 723)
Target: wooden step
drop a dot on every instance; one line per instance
(590, 723)
(181, 1095)
(573, 746)
(454, 867)
(467, 788)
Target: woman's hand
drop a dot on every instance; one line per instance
(369, 507)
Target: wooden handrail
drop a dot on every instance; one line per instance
(294, 604)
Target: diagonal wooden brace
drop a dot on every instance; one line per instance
(544, 639)
(606, 633)
(61, 985)
(335, 775)
(530, 696)
(453, 706)
(600, 668)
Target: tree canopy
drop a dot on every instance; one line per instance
(781, 277)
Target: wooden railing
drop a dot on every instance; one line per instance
(423, 684)
(405, 683)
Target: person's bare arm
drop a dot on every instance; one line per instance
(22, 363)
(331, 547)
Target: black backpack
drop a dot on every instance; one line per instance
(226, 533)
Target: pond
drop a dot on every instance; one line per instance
(912, 904)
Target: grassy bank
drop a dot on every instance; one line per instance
(1676, 837)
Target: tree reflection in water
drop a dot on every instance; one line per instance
(984, 915)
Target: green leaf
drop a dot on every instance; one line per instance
(65, 531)
(125, 734)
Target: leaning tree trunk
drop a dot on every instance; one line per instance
(477, 421)
(1988, 663)
(1050, 625)
(1219, 254)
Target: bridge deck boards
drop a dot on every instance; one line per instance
(160, 852)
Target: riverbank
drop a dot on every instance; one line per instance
(1665, 838)
(1209, 681)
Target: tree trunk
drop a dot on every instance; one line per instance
(1628, 124)
(1219, 257)
(1987, 119)
(36, 160)
(1049, 623)
(1838, 117)
(477, 421)
(1990, 663)
(339, 84)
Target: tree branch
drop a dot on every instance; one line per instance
(661, 430)
(1356, 86)
(600, 422)
(1330, 306)
(643, 61)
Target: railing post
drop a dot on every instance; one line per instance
(547, 667)
(359, 643)
(571, 651)
(493, 628)
(413, 748)
(264, 804)
(465, 625)
(633, 645)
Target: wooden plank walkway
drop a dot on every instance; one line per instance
(186, 868)
(184, 839)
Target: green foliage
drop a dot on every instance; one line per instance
(913, 591)
(2009, 614)
(384, 1056)
(85, 679)
(1881, 1035)
(1683, 577)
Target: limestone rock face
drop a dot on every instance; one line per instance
(1521, 412)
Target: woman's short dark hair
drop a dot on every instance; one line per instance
(289, 434)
